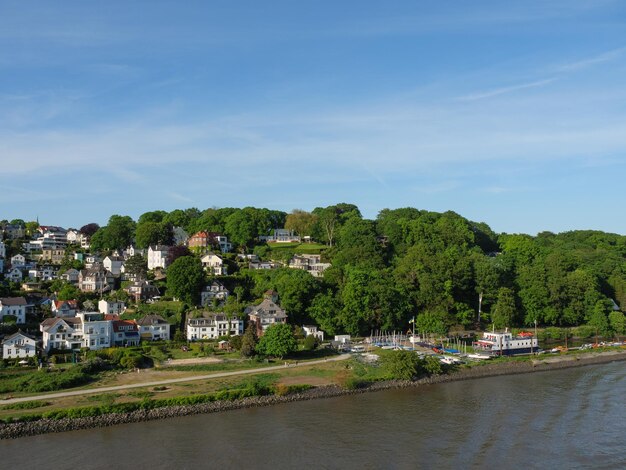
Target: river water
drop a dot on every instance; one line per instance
(573, 418)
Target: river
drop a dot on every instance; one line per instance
(573, 418)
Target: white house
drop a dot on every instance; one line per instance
(113, 264)
(18, 261)
(85, 241)
(310, 263)
(215, 290)
(3, 250)
(64, 308)
(214, 264)
(157, 256)
(111, 307)
(73, 236)
(281, 235)
(97, 332)
(19, 345)
(1, 265)
(85, 330)
(43, 273)
(15, 306)
(212, 326)
(61, 333)
(311, 330)
(153, 327)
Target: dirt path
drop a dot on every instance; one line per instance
(156, 383)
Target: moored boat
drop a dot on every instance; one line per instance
(506, 344)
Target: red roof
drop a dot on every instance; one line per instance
(129, 324)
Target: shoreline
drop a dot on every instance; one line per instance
(45, 426)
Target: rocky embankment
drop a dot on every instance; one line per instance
(43, 426)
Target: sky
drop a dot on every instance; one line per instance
(510, 113)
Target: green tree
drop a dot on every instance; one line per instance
(185, 279)
(153, 233)
(240, 227)
(137, 266)
(31, 228)
(431, 322)
(249, 342)
(154, 216)
(403, 365)
(617, 322)
(117, 234)
(277, 341)
(68, 292)
(324, 309)
(310, 343)
(504, 311)
(599, 317)
(301, 222)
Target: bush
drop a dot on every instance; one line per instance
(310, 343)
(26, 405)
(403, 365)
(354, 383)
(433, 366)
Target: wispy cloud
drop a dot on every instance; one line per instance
(180, 198)
(508, 89)
(607, 56)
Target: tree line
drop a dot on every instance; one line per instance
(439, 268)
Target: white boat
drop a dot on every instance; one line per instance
(506, 344)
(479, 357)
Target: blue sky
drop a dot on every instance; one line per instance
(511, 113)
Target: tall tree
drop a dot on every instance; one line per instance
(277, 341)
(504, 311)
(185, 279)
(153, 233)
(301, 222)
(89, 229)
(137, 266)
(249, 342)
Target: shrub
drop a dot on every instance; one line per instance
(26, 405)
(403, 365)
(310, 343)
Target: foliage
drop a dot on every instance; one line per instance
(89, 229)
(68, 292)
(136, 265)
(301, 222)
(249, 342)
(310, 343)
(153, 233)
(117, 234)
(403, 365)
(26, 405)
(185, 279)
(278, 341)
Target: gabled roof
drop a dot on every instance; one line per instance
(58, 304)
(119, 323)
(50, 322)
(151, 320)
(15, 335)
(264, 309)
(13, 301)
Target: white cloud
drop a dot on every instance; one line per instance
(509, 89)
(607, 56)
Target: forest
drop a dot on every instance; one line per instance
(440, 268)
